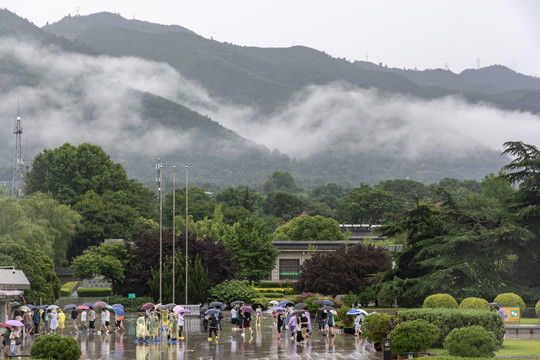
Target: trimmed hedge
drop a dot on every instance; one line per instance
(474, 303)
(537, 308)
(65, 290)
(92, 292)
(510, 299)
(271, 295)
(445, 301)
(449, 319)
(473, 341)
(130, 305)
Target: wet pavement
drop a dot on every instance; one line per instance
(231, 345)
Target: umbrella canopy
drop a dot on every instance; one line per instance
(256, 305)
(248, 309)
(5, 325)
(278, 308)
(203, 310)
(42, 307)
(177, 308)
(116, 305)
(24, 308)
(183, 311)
(14, 323)
(52, 307)
(31, 307)
(237, 302)
(82, 307)
(274, 302)
(14, 304)
(212, 311)
(169, 306)
(327, 308)
(217, 304)
(148, 306)
(285, 302)
(299, 306)
(328, 302)
(109, 307)
(298, 312)
(70, 306)
(119, 311)
(100, 304)
(90, 305)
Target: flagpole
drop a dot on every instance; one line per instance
(174, 234)
(187, 232)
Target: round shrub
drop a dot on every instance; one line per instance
(473, 341)
(413, 336)
(445, 301)
(55, 347)
(510, 299)
(474, 303)
(229, 291)
(537, 308)
(376, 326)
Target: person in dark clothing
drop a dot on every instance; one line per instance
(280, 318)
(321, 317)
(304, 326)
(36, 319)
(240, 319)
(213, 325)
(247, 323)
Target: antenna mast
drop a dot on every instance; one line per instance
(19, 170)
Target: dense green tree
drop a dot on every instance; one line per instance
(343, 270)
(309, 228)
(452, 249)
(105, 216)
(252, 249)
(329, 194)
(525, 204)
(241, 197)
(284, 205)
(281, 181)
(39, 222)
(105, 260)
(69, 172)
(200, 205)
(365, 205)
(38, 268)
(411, 191)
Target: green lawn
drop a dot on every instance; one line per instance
(530, 321)
(509, 348)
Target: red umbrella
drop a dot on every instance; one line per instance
(148, 306)
(81, 307)
(5, 325)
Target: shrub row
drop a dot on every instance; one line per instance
(91, 292)
(65, 290)
(272, 295)
(130, 305)
(270, 290)
(448, 319)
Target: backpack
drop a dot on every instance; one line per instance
(220, 316)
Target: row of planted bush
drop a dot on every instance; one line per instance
(92, 292)
(448, 302)
(462, 332)
(447, 320)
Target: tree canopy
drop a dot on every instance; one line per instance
(309, 228)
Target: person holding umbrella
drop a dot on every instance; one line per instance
(329, 326)
(234, 312)
(84, 324)
(74, 316)
(246, 314)
(91, 319)
(213, 326)
(36, 319)
(14, 338)
(280, 323)
(54, 322)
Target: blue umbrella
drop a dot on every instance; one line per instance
(90, 305)
(217, 304)
(278, 308)
(119, 311)
(354, 312)
(212, 311)
(70, 306)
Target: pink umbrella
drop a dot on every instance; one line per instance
(14, 323)
(184, 311)
(248, 309)
(148, 306)
(177, 308)
(81, 307)
(100, 304)
(5, 325)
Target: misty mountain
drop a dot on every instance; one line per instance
(235, 114)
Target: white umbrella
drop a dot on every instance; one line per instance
(52, 307)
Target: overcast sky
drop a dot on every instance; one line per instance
(413, 33)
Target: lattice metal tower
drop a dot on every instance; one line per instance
(19, 169)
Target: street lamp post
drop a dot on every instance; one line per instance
(174, 234)
(159, 168)
(187, 232)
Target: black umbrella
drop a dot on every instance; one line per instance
(318, 302)
(327, 308)
(14, 304)
(203, 310)
(256, 305)
(299, 306)
(212, 311)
